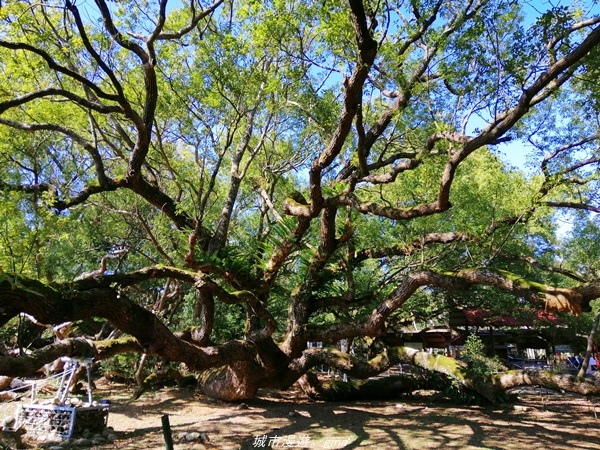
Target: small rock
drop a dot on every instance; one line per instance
(5, 382)
(17, 383)
(83, 442)
(56, 447)
(193, 436)
(399, 405)
(111, 438)
(86, 434)
(521, 408)
(9, 422)
(204, 437)
(293, 414)
(242, 406)
(98, 441)
(180, 436)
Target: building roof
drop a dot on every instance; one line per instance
(521, 318)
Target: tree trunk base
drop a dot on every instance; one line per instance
(225, 384)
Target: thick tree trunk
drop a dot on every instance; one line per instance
(493, 387)
(231, 383)
(204, 309)
(549, 380)
(16, 366)
(590, 347)
(380, 388)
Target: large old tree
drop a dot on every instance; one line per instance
(223, 183)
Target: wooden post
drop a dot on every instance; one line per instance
(166, 427)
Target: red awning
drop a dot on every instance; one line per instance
(522, 318)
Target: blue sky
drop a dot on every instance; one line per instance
(518, 152)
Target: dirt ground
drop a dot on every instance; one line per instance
(541, 420)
